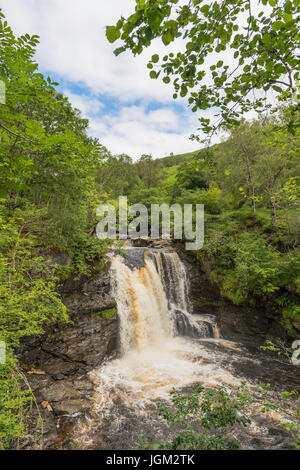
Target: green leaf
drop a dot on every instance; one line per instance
(277, 25)
(287, 17)
(155, 18)
(112, 33)
(205, 10)
(267, 39)
(119, 50)
(155, 58)
(167, 37)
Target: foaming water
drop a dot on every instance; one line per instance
(152, 306)
(153, 373)
(142, 306)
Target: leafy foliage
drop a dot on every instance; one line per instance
(48, 197)
(253, 48)
(205, 415)
(12, 403)
(205, 418)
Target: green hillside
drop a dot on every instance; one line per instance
(249, 186)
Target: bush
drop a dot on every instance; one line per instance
(204, 417)
(12, 402)
(211, 198)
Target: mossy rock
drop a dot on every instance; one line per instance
(107, 314)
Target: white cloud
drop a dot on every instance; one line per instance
(74, 47)
(88, 105)
(134, 131)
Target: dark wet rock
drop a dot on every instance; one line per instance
(255, 365)
(192, 328)
(135, 257)
(88, 295)
(148, 242)
(56, 392)
(72, 407)
(59, 368)
(66, 355)
(262, 433)
(61, 259)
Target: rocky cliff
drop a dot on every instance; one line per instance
(57, 365)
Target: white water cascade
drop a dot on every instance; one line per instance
(151, 291)
(152, 301)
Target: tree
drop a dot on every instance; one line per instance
(47, 203)
(256, 161)
(253, 47)
(149, 170)
(117, 175)
(238, 159)
(276, 167)
(46, 157)
(203, 418)
(190, 176)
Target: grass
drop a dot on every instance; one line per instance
(106, 314)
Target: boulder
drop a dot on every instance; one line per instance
(72, 407)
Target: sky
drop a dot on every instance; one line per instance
(129, 112)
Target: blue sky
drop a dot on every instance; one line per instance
(128, 112)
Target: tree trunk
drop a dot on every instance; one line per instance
(253, 201)
(273, 204)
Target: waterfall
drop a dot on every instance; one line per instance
(142, 305)
(151, 291)
(173, 276)
(163, 348)
(158, 352)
